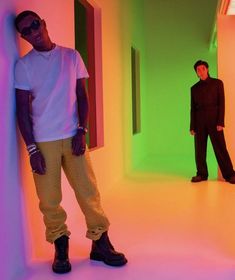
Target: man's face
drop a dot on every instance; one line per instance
(202, 72)
(33, 30)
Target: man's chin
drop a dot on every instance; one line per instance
(38, 42)
(39, 47)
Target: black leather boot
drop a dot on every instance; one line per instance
(103, 250)
(61, 262)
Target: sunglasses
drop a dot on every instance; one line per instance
(26, 31)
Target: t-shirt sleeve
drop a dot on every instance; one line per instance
(21, 76)
(81, 71)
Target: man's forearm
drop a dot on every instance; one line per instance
(83, 111)
(23, 116)
(83, 103)
(26, 130)
(221, 104)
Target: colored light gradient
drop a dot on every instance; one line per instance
(168, 227)
(13, 251)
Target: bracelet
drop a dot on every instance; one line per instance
(31, 146)
(84, 129)
(34, 152)
(32, 149)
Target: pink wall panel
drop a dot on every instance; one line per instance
(226, 72)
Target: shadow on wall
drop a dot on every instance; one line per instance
(12, 253)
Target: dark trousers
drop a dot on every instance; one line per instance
(219, 146)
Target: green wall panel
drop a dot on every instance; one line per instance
(171, 36)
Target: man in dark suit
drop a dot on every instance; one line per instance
(207, 119)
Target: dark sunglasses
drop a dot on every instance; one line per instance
(26, 31)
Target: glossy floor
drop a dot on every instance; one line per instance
(168, 227)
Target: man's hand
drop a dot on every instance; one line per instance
(192, 132)
(219, 128)
(79, 143)
(37, 162)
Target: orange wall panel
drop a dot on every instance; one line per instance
(226, 72)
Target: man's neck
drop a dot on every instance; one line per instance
(206, 78)
(48, 47)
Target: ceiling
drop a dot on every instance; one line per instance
(231, 8)
(226, 7)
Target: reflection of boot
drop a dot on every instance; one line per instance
(103, 250)
(61, 262)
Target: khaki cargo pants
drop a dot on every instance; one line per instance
(80, 175)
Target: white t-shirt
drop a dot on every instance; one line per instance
(51, 79)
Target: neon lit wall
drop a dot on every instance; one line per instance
(175, 35)
(12, 253)
(134, 35)
(226, 61)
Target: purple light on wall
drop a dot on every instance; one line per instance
(12, 253)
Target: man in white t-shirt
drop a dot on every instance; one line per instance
(52, 113)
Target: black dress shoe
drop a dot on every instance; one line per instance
(231, 179)
(198, 178)
(103, 250)
(61, 262)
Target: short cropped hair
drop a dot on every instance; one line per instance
(22, 15)
(200, 62)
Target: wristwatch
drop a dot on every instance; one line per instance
(84, 129)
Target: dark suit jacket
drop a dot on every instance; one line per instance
(207, 103)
